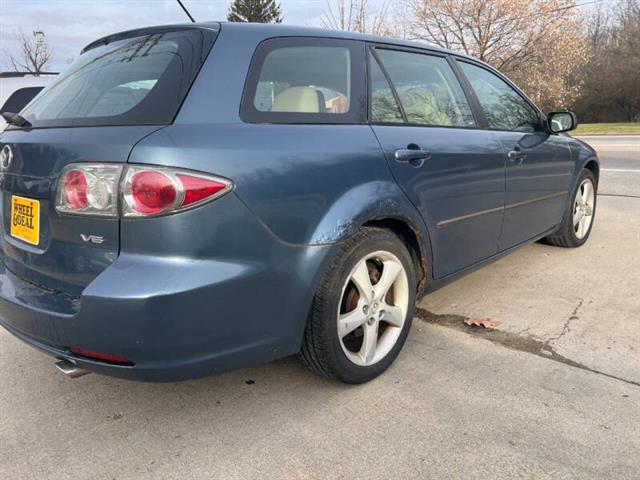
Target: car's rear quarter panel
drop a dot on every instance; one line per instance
(309, 184)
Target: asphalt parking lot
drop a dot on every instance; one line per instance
(553, 393)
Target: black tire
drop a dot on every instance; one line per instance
(322, 351)
(565, 236)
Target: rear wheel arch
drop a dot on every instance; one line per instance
(416, 240)
(384, 205)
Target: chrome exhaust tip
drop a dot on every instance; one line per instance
(70, 369)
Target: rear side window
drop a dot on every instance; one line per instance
(305, 80)
(428, 89)
(384, 107)
(503, 107)
(139, 80)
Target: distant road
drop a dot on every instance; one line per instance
(621, 152)
(612, 141)
(620, 163)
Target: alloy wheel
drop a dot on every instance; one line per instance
(583, 208)
(373, 308)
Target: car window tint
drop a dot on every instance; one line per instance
(305, 79)
(428, 89)
(503, 107)
(122, 98)
(140, 80)
(384, 108)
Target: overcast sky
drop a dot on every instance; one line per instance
(71, 24)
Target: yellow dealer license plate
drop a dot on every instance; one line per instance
(25, 219)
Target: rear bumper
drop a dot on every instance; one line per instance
(174, 318)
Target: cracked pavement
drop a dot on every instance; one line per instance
(552, 394)
(583, 303)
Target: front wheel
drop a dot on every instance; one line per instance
(578, 220)
(363, 308)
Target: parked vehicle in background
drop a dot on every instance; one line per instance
(191, 199)
(30, 85)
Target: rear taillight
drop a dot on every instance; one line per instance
(197, 189)
(158, 191)
(134, 191)
(151, 192)
(89, 189)
(74, 189)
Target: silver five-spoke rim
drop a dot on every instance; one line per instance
(583, 208)
(373, 308)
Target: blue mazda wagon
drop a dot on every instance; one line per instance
(190, 199)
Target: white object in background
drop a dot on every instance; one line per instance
(8, 85)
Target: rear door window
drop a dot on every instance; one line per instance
(139, 80)
(428, 89)
(305, 80)
(384, 107)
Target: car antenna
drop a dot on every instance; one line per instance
(186, 11)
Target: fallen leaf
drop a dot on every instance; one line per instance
(482, 322)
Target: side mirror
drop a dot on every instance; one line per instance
(562, 121)
(19, 99)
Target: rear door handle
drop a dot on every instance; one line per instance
(411, 155)
(516, 154)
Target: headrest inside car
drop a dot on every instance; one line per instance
(300, 100)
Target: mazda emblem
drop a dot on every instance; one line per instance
(6, 156)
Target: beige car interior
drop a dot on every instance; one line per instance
(300, 100)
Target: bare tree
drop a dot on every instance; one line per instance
(598, 28)
(356, 16)
(539, 43)
(34, 54)
(611, 91)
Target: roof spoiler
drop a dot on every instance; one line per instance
(140, 32)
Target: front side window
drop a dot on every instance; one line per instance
(294, 80)
(503, 107)
(428, 89)
(140, 80)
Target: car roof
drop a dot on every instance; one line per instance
(278, 29)
(268, 30)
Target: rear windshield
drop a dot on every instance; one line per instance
(138, 80)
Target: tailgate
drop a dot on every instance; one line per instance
(40, 245)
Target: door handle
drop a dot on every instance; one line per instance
(516, 155)
(414, 156)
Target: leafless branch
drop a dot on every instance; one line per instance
(34, 54)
